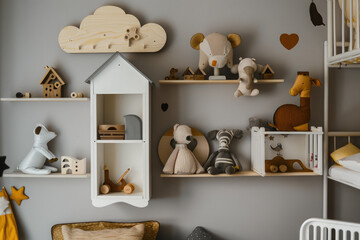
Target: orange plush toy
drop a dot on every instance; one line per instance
(290, 117)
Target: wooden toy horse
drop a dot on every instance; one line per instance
(290, 117)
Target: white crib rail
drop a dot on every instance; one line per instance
(323, 229)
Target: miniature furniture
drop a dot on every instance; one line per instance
(117, 89)
(151, 228)
(51, 83)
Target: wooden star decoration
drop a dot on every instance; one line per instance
(4, 204)
(3, 165)
(271, 138)
(18, 195)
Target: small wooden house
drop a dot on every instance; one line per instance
(188, 74)
(118, 89)
(199, 74)
(51, 83)
(267, 72)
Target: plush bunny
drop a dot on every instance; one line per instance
(34, 161)
(182, 160)
(223, 161)
(246, 69)
(216, 50)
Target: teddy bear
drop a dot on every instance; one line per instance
(34, 161)
(246, 69)
(182, 160)
(223, 161)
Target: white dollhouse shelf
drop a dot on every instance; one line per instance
(120, 141)
(265, 81)
(239, 174)
(44, 99)
(304, 146)
(18, 174)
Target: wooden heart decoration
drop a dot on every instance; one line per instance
(289, 41)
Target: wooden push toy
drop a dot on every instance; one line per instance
(172, 76)
(109, 186)
(112, 132)
(51, 83)
(76, 95)
(278, 163)
(71, 165)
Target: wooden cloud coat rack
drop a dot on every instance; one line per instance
(110, 29)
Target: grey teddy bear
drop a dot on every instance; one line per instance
(223, 161)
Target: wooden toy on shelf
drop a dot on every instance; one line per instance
(199, 74)
(110, 29)
(267, 72)
(172, 76)
(112, 132)
(290, 117)
(278, 163)
(71, 165)
(109, 186)
(76, 95)
(51, 83)
(21, 95)
(133, 127)
(188, 74)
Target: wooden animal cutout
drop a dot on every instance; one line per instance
(110, 29)
(290, 117)
(289, 41)
(278, 163)
(172, 76)
(52, 83)
(71, 165)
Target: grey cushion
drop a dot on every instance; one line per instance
(200, 233)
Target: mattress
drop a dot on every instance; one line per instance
(345, 175)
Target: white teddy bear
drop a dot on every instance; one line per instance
(34, 161)
(246, 69)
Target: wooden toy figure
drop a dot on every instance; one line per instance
(290, 117)
(51, 83)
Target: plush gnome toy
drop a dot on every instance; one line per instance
(34, 161)
(182, 160)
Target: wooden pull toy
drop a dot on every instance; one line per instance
(76, 95)
(278, 163)
(120, 185)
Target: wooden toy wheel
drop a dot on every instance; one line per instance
(105, 189)
(283, 168)
(274, 168)
(129, 188)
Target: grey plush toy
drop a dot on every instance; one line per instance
(223, 161)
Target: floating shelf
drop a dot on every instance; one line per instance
(44, 99)
(17, 174)
(120, 141)
(239, 174)
(236, 81)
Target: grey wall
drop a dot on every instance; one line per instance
(237, 208)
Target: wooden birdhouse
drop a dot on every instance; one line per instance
(199, 74)
(188, 74)
(267, 72)
(117, 90)
(51, 83)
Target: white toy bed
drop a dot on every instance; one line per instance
(345, 176)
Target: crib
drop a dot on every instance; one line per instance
(323, 229)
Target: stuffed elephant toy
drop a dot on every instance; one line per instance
(216, 50)
(223, 161)
(34, 161)
(246, 69)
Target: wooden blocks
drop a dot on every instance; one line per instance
(71, 165)
(189, 74)
(112, 132)
(51, 83)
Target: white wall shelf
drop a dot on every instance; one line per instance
(120, 141)
(240, 174)
(44, 99)
(18, 174)
(230, 81)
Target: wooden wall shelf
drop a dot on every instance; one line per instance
(44, 99)
(174, 82)
(18, 174)
(240, 174)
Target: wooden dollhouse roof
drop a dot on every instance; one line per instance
(199, 72)
(50, 70)
(102, 67)
(188, 71)
(266, 69)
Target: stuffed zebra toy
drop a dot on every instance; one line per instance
(223, 161)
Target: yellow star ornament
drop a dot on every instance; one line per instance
(18, 195)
